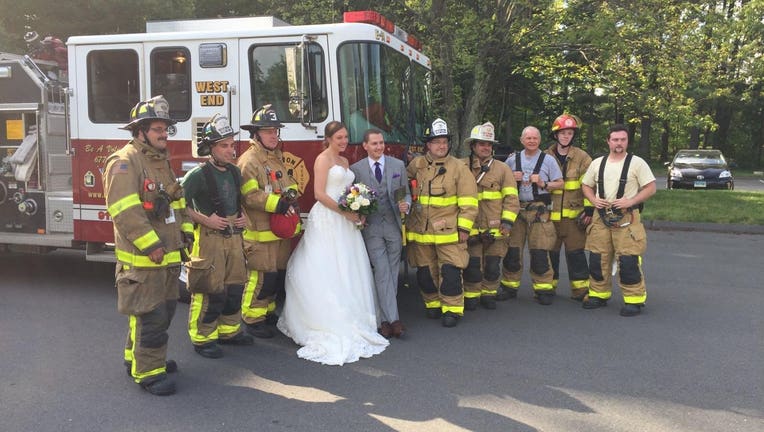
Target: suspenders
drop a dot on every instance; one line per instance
(545, 198)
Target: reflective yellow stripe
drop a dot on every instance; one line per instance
(249, 293)
(635, 299)
(459, 310)
(509, 190)
(146, 240)
(144, 261)
(487, 292)
(437, 201)
(133, 323)
(495, 231)
(248, 186)
(543, 287)
(465, 224)
(187, 227)
(578, 284)
(556, 192)
(572, 184)
(227, 330)
(600, 295)
(489, 195)
(555, 217)
(271, 203)
(194, 314)
(265, 236)
(510, 284)
(509, 215)
(470, 294)
(433, 238)
(435, 304)
(124, 204)
(467, 201)
(178, 204)
(587, 203)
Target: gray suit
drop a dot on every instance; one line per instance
(383, 232)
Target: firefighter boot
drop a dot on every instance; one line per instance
(170, 366)
(450, 319)
(503, 293)
(631, 309)
(471, 303)
(240, 338)
(594, 303)
(260, 330)
(209, 350)
(162, 386)
(487, 301)
(545, 298)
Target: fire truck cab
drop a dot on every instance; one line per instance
(365, 72)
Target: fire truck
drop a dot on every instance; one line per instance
(57, 127)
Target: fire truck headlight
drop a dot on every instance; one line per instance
(6, 72)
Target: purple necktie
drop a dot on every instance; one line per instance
(378, 172)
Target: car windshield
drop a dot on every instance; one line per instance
(704, 159)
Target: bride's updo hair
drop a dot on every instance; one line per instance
(332, 128)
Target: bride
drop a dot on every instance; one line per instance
(329, 307)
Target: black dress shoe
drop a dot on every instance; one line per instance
(488, 302)
(544, 298)
(260, 330)
(386, 330)
(239, 338)
(169, 366)
(159, 387)
(471, 303)
(433, 313)
(209, 350)
(504, 293)
(594, 303)
(450, 319)
(631, 310)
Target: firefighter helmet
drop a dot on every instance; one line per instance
(263, 118)
(483, 132)
(284, 226)
(155, 108)
(566, 121)
(436, 129)
(217, 129)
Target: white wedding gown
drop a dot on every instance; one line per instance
(329, 307)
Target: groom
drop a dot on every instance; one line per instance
(386, 175)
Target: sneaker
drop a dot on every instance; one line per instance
(544, 298)
(260, 330)
(594, 303)
(169, 366)
(471, 303)
(488, 302)
(209, 350)
(631, 309)
(159, 387)
(239, 338)
(450, 319)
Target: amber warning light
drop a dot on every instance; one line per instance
(377, 19)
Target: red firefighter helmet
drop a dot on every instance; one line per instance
(284, 226)
(566, 121)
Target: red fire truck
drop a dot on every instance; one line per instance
(57, 131)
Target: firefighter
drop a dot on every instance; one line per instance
(216, 272)
(440, 223)
(617, 185)
(151, 235)
(571, 213)
(497, 210)
(269, 193)
(536, 176)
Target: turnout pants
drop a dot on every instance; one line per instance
(146, 345)
(483, 273)
(439, 274)
(623, 245)
(266, 263)
(570, 234)
(216, 288)
(540, 235)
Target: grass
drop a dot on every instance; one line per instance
(707, 206)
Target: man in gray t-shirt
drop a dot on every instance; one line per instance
(534, 181)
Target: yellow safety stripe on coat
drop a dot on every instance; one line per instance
(435, 304)
(194, 317)
(489, 195)
(146, 240)
(556, 192)
(587, 203)
(459, 310)
(572, 184)
(471, 294)
(197, 235)
(266, 236)
(249, 293)
(433, 238)
(437, 201)
(144, 261)
(578, 284)
(249, 185)
(495, 231)
(272, 202)
(124, 204)
(187, 227)
(555, 282)
(543, 287)
(510, 284)
(508, 215)
(465, 224)
(178, 204)
(227, 330)
(271, 306)
(600, 295)
(509, 190)
(566, 213)
(488, 292)
(133, 324)
(640, 299)
(467, 201)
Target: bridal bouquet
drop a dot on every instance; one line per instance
(358, 198)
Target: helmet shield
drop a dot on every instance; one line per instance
(217, 129)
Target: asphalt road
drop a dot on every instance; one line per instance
(691, 362)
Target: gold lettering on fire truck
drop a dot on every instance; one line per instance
(296, 168)
(209, 92)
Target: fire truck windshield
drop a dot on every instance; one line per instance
(381, 88)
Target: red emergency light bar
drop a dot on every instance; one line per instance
(377, 19)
